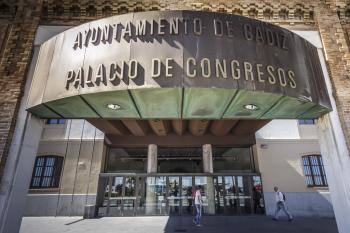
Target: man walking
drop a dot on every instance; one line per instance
(280, 205)
(198, 204)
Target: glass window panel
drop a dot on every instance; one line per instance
(55, 121)
(318, 180)
(40, 161)
(174, 195)
(180, 160)
(306, 121)
(186, 194)
(38, 171)
(314, 160)
(130, 183)
(316, 170)
(36, 181)
(155, 196)
(202, 182)
(127, 160)
(51, 121)
(51, 162)
(320, 159)
(306, 170)
(61, 121)
(227, 159)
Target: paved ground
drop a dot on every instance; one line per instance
(242, 224)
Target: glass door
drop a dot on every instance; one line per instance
(129, 197)
(231, 197)
(174, 195)
(186, 195)
(245, 198)
(156, 196)
(257, 196)
(201, 181)
(140, 205)
(114, 207)
(219, 194)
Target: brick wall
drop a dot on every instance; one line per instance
(333, 24)
(18, 23)
(19, 20)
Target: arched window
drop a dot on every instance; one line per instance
(314, 171)
(47, 172)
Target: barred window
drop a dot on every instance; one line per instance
(314, 171)
(47, 172)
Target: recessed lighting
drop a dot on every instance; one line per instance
(113, 106)
(251, 107)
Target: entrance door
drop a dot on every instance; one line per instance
(186, 195)
(202, 182)
(174, 195)
(129, 196)
(230, 194)
(233, 195)
(155, 195)
(219, 194)
(140, 206)
(115, 203)
(244, 194)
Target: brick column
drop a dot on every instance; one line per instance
(338, 62)
(334, 128)
(14, 63)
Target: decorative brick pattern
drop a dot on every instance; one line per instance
(19, 20)
(291, 12)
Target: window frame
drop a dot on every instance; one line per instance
(312, 176)
(55, 177)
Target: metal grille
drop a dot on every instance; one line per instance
(47, 172)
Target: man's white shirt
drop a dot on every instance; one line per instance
(279, 196)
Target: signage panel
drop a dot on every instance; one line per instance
(181, 50)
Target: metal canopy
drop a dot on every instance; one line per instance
(149, 65)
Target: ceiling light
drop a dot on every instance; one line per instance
(113, 106)
(251, 107)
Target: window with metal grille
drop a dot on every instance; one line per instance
(47, 172)
(314, 171)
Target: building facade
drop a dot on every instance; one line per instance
(88, 163)
(128, 167)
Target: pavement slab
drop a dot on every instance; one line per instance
(177, 224)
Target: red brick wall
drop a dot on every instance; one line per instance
(334, 34)
(17, 46)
